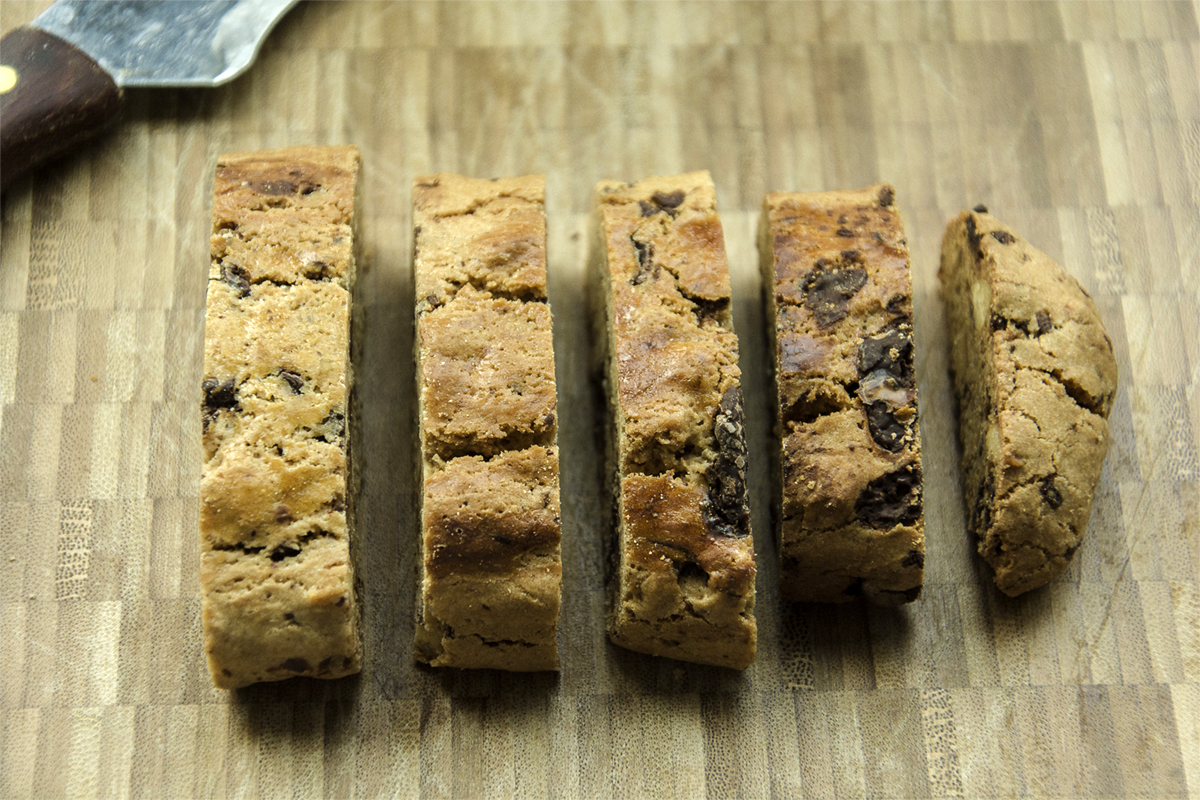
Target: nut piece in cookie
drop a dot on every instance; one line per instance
(839, 299)
(1035, 378)
(684, 558)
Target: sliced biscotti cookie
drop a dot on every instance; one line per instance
(684, 582)
(1035, 378)
(278, 484)
(490, 565)
(839, 298)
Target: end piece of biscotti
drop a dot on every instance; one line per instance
(836, 278)
(278, 485)
(684, 582)
(1035, 378)
(490, 565)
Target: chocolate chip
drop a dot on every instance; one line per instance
(236, 277)
(980, 209)
(888, 432)
(915, 558)
(284, 551)
(827, 293)
(845, 233)
(851, 255)
(890, 351)
(325, 664)
(283, 514)
(898, 307)
(648, 209)
(1044, 324)
(727, 512)
(219, 394)
(292, 665)
(887, 196)
(645, 269)
(973, 235)
(1000, 322)
(981, 513)
(1003, 237)
(891, 499)
(1050, 494)
(667, 200)
(293, 379)
(643, 253)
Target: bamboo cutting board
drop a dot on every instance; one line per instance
(1078, 123)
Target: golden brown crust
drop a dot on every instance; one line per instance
(685, 583)
(276, 514)
(1035, 378)
(835, 266)
(487, 375)
(491, 565)
(485, 516)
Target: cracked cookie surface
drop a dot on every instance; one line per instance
(836, 276)
(278, 483)
(490, 583)
(684, 556)
(1035, 378)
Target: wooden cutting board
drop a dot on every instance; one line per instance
(1077, 123)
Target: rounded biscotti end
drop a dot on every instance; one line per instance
(1035, 377)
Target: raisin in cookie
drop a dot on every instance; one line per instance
(1035, 377)
(836, 277)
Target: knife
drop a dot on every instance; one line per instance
(62, 76)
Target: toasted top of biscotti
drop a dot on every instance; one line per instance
(315, 185)
(484, 234)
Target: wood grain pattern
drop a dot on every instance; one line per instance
(1077, 123)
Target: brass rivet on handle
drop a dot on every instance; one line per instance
(8, 78)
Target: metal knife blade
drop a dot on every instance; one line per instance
(62, 76)
(166, 42)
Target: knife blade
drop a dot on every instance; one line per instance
(62, 76)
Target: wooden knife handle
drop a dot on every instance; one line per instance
(52, 97)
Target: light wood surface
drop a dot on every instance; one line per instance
(1077, 123)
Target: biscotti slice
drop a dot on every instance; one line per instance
(490, 564)
(839, 300)
(278, 485)
(684, 582)
(1035, 378)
